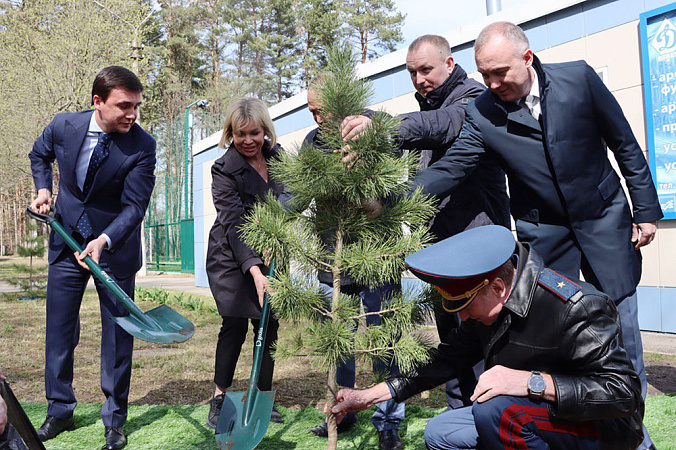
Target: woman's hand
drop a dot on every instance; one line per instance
(261, 282)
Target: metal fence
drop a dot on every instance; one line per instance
(168, 229)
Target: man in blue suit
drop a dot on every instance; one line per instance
(548, 126)
(106, 165)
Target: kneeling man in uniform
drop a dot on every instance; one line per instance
(556, 373)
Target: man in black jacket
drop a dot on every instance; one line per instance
(443, 92)
(556, 373)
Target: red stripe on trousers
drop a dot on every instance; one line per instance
(515, 417)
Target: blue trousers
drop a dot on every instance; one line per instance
(561, 252)
(66, 283)
(508, 422)
(389, 413)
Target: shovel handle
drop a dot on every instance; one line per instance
(95, 268)
(44, 218)
(258, 352)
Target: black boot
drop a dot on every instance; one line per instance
(344, 425)
(53, 426)
(115, 438)
(390, 440)
(215, 410)
(276, 416)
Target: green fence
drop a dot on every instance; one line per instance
(188, 245)
(169, 231)
(162, 241)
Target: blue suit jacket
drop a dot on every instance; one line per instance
(119, 196)
(571, 182)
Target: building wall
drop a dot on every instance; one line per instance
(605, 33)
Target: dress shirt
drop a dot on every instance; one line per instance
(532, 101)
(85, 155)
(86, 151)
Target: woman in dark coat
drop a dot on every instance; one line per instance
(237, 274)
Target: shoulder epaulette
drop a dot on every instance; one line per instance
(559, 285)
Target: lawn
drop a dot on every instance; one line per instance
(171, 384)
(180, 427)
(153, 427)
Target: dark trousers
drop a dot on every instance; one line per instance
(66, 284)
(230, 341)
(508, 422)
(459, 389)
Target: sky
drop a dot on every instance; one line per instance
(440, 16)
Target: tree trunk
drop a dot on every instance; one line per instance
(332, 442)
(364, 45)
(332, 382)
(16, 223)
(2, 226)
(30, 280)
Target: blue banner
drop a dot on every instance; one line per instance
(658, 45)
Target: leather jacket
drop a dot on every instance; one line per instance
(554, 325)
(482, 199)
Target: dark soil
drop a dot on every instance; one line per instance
(182, 374)
(661, 373)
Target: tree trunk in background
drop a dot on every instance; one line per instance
(2, 227)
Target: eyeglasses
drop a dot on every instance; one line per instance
(469, 295)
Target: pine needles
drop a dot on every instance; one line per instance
(333, 224)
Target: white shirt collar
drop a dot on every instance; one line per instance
(93, 125)
(535, 88)
(531, 102)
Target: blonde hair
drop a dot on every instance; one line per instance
(238, 115)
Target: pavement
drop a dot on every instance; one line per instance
(171, 281)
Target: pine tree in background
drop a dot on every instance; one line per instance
(371, 249)
(31, 279)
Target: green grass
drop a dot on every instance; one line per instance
(660, 419)
(182, 427)
(651, 357)
(9, 270)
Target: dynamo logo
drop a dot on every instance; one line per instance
(665, 38)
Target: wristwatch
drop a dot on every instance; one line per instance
(536, 385)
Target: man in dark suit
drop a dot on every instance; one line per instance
(106, 164)
(548, 126)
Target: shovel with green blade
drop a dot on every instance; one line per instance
(161, 325)
(243, 422)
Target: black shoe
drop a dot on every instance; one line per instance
(215, 410)
(390, 440)
(323, 430)
(276, 416)
(115, 438)
(53, 426)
